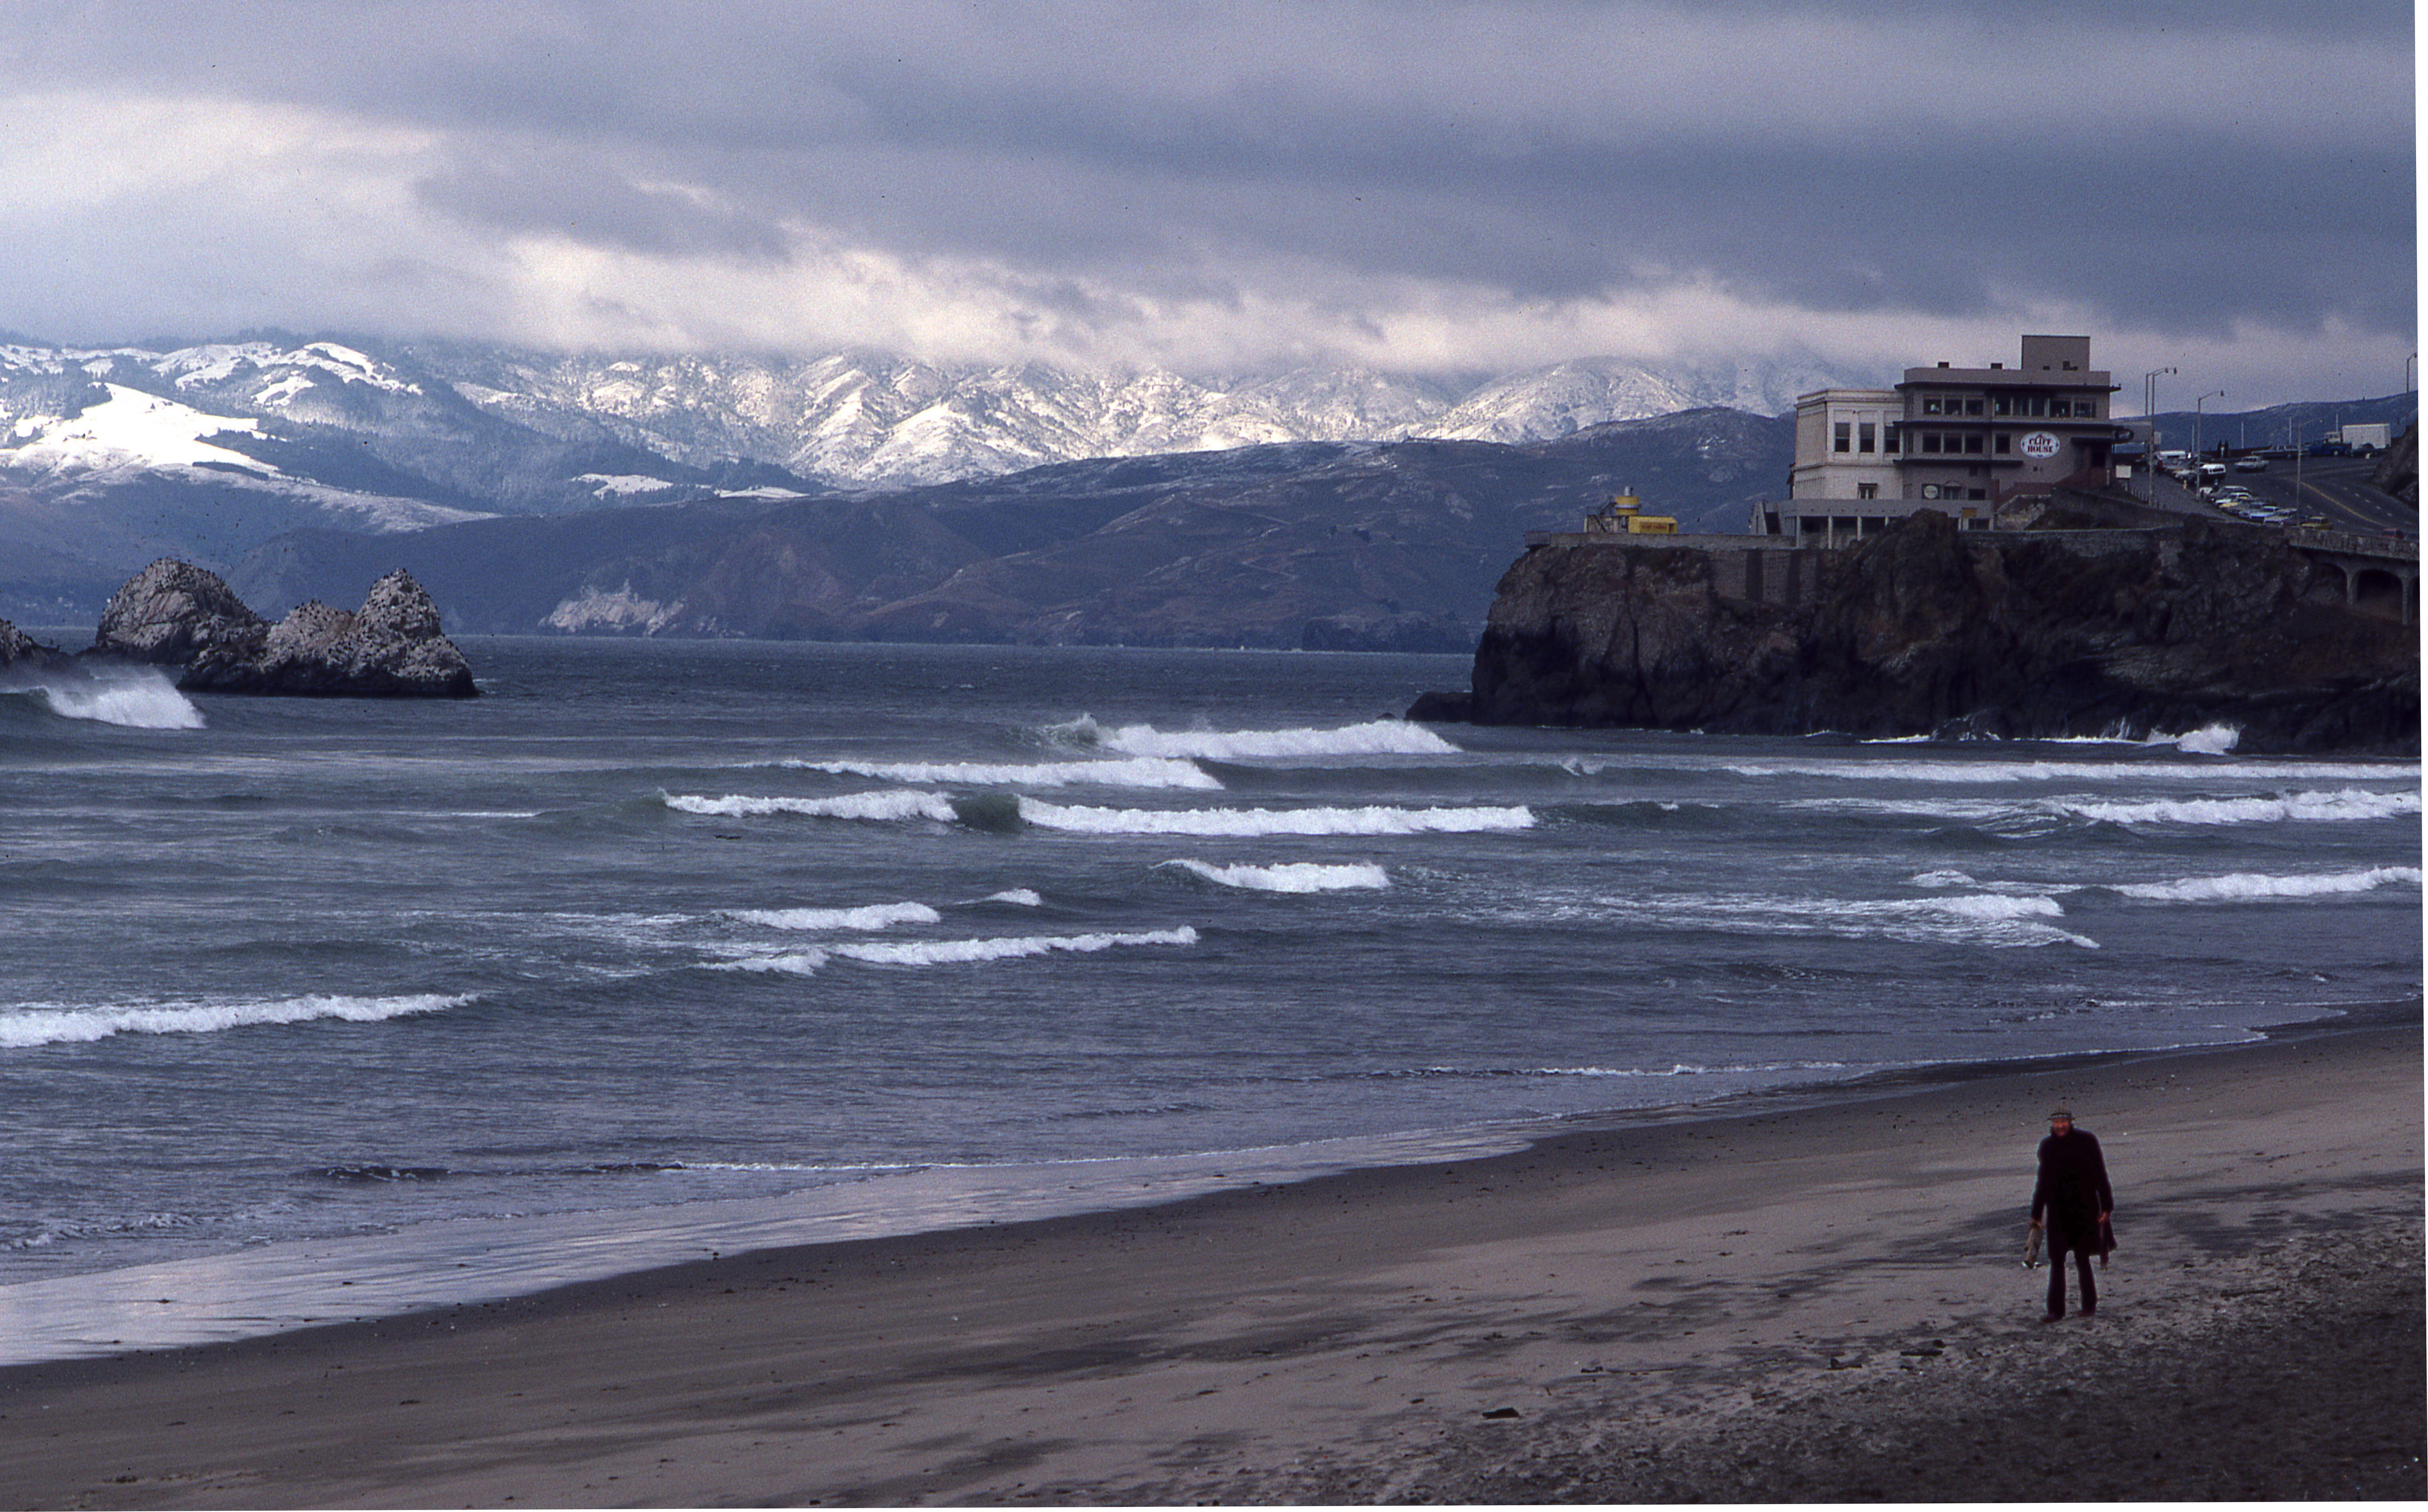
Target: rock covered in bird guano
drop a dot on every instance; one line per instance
(172, 613)
(18, 649)
(393, 646)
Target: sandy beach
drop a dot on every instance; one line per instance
(1784, 1303)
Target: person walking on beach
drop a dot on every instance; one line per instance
(2072, 1194)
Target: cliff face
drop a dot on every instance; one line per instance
(1926, 628)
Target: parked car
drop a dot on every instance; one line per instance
(2212, 469)
(2251, 464)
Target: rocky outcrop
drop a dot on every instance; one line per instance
(174, 613)
(18, 650)
(1928, 630)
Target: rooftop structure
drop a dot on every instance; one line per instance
(1962, 440)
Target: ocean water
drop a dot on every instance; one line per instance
(690, 927)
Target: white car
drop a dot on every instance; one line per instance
(2251, 464)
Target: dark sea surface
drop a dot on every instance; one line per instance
(655, 924)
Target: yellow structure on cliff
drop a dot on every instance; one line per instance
(1624, 515)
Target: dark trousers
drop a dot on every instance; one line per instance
(2059, 1244)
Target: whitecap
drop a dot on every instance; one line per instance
(54, 1024)
(1386, 737)
(948, 952)
(1144, 771)
(1998, 920)
(2209, 739)
(139, 698)
(1017, 897)
(892, 804)
(791, 963)
(1255, 822)
(2347, 805)
(2044, 772)
(1297, 876)
(869, 917)
(2249, 886)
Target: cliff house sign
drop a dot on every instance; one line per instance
(1961, 440)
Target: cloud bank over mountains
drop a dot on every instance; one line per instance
(1422, 188)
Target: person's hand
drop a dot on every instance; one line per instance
(2036, 1223)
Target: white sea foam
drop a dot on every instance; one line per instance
(2004, 772)
(139, 698)
(2209, 739)
(2246, 886)
(1998, 919)
(1684, 1068)
(2346, 804)
(870, 917)
(55, 1024)
(1253, 822)
(947, 952)
(1142, 772)
(791, 963)
(889, 804)
(1384, 736)
(1297, 876)
(1018, 897)
(956, 952)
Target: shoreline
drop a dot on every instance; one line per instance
(305, 1285)
(1614, 1304)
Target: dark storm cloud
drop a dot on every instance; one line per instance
(2170, 165)
(583, 200)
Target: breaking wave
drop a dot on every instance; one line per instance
(954, 953)
(1382, 737)
(873, 917)
(894, 804)
(2209, 739)
(1254, 822)
(137, 698)
(2243, 886)
(1300, 876)
(1992, 772)
(2345, 804)
(1998, 920)
(1143, 772)
(48, 1024)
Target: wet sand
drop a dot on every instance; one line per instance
(1809, 1303)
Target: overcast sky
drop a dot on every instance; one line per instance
(2227, 187)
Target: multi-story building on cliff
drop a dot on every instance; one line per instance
(1961, 440)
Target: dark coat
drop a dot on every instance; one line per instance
(2073, 1192)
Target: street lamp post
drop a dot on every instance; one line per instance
(2196, 422)
(2150, 447)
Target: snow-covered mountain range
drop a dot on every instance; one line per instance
(113, 456)
(864, 419)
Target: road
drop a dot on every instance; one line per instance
(2334, 488)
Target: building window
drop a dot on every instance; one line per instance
(1972, 406)
(1976, 494)
(1839, 437)
(1867, 490)
(1864, 436)
(2001, 404)
(1973, 444)
(1930, 406)
(1889, 439)
(2003, 440)
(1930, 441)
